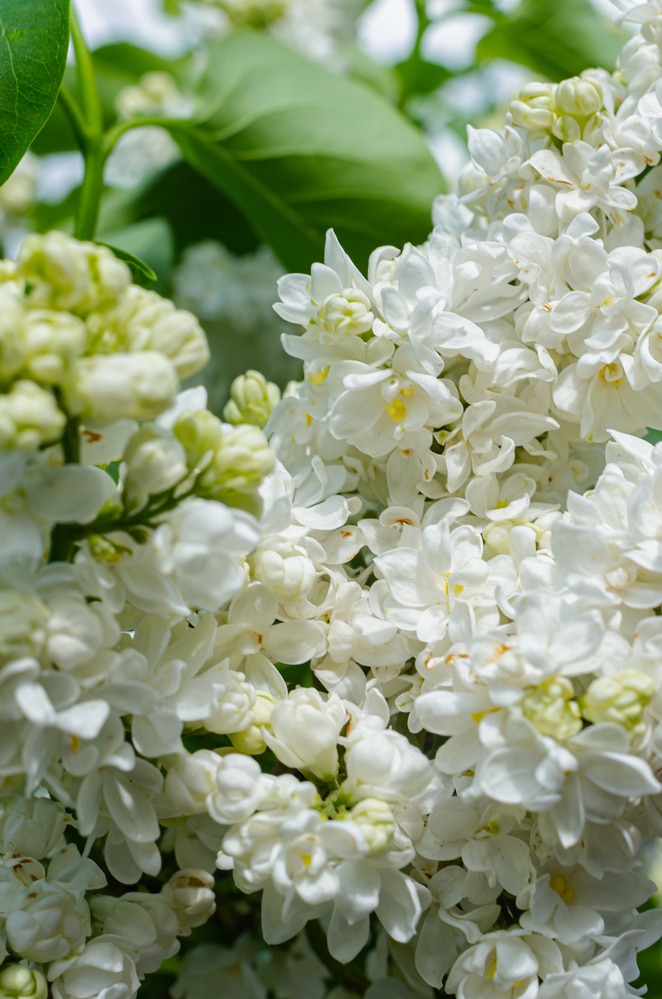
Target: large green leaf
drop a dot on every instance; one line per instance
(298, 150)
(121, 65)
(557, 39)
(116, 66)
(34, 39)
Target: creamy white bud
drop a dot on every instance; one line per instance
(190, 893)
(305, 729)
(29, 417)
(19, 982)
(252, 399)
(110, 387)
(155, 462)
(63, 273)
(143, 321)
(191, 779)
(578, 97)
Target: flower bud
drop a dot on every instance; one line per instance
(154, 92)
(155, 462)
(578, 97)
(111, 387)
(31, 826)
(190, 894)
(200, 433)
(29, 417)
(19, 982)
(375, 821)
(305, 729)
(12, 347)
(190, 779)
(237, 467)
(64, 273)
(346, 313)
(551, 708)
(620, 699)
(534, 107)
(51, 342)
(104, 550)
(285, 569)
(250, 740)
(252, 399)
(23, 621)
(143, 321)
(240, 785)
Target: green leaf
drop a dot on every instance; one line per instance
(556, 40)
(147, 247)
(141, 272)
(299, 150)
(195, 209)
(359, 66)
(121, 65)
(34, 40)
(419, 77)
(116, 66)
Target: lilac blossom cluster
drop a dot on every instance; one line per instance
(389, 650)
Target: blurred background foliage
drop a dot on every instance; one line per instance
(264, 148)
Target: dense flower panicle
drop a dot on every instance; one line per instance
(389, 649)
(124, 523)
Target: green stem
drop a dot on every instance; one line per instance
(89, 201)
(116, 131)
(88, 125)
(75, 116)
(87, 84)
(71, 441)
(62, 544)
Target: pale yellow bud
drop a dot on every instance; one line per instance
(12, 348)
(237, 467)
(201, 434)
(250, 740)
(23, 621)
(104, 550)
(64, 273)
(155, 462)
(534, 107)
(621, 699)
(551, 708)
(567, 129)
(346, 313)
(110, 387)
(51, 342)
(154, 92)
(578, 97)
(19, 982)
(29, 417)
(190, 893)
(142, 320)
(375, 820)
(252, 399)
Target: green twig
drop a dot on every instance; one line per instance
(88, 125)
(117, 130)
(87, 84)
(89, 201)
(74, 115)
